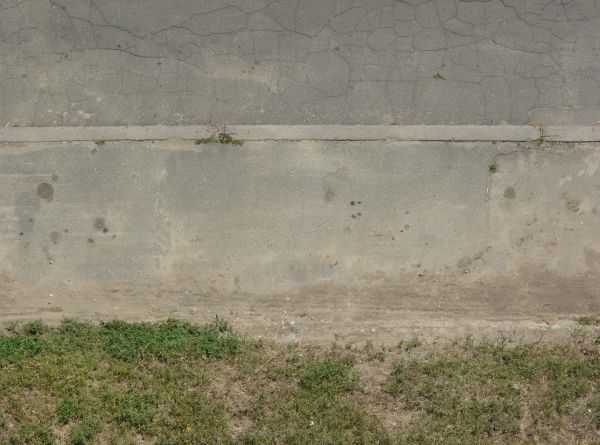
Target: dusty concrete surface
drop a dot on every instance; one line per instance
(304, 240)
(419, 133)
(114, 62)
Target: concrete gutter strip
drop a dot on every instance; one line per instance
(116, 133)
(463, 133)
(386, 132)
(572, 134)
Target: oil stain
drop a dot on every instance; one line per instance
(328, 193)
(464, 263)
(510, 193)
(54, 236)
(100, 225)
(572, 205)
(45, 191)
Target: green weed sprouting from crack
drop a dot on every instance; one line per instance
(221, 138)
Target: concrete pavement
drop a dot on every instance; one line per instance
(306, 238)
(109, 62)
(416, 167)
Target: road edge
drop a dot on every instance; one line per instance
(445, 133)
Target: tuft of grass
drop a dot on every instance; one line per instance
(413, 343)
(210, 140)
(221, 138)
(225, 138)
(15, 348)
(84, 433)
(493, 167)
(100, 142)
(32, 433)
(34, 328)
(330, 376)
(164, 341)
(589, 321)
(373, 354)
(438, 76)
(67, 410)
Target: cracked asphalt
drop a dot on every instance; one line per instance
(114, 62)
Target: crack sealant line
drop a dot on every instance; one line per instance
(440, 133)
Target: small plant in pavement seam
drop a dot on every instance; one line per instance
(209, 140)
(221, 138)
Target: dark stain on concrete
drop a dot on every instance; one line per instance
(464, 263)
(100, 225)
(328, 193)
(572, 205)
(54, 236)
(55, 177)
(510, 193)
(91, 240)
(45, 191)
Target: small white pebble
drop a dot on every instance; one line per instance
(312, 423)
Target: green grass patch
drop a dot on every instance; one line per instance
(481, 394)
(589, 321)
(174, 382)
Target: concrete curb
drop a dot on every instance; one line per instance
(572, 134)
(511, 133)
